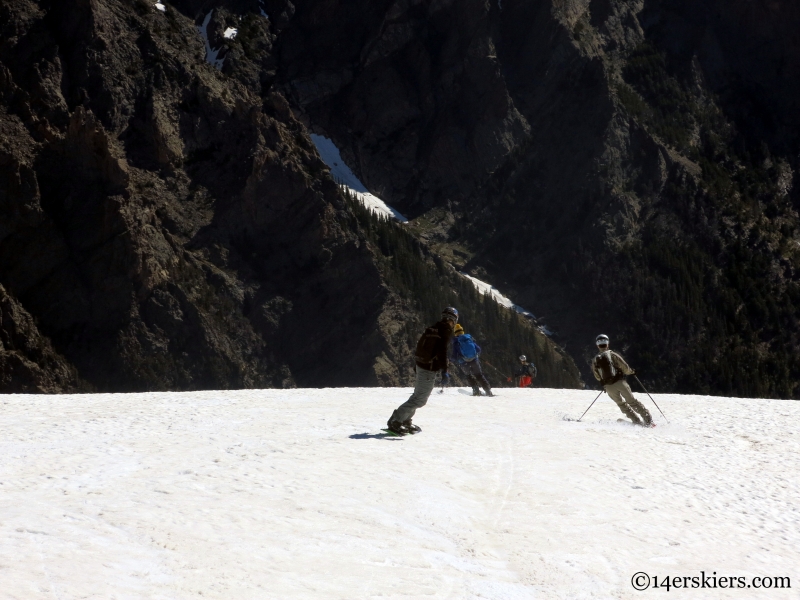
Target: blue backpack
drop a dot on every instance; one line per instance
(467, 348)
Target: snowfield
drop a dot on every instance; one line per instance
(297, 494)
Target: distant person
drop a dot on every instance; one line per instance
(525, 372)
(431, 357)
(466, 354)
(610, 369)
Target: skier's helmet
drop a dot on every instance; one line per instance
(522, 358)
(601, 340)
(451, 314)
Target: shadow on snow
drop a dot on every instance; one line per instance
(374, 436)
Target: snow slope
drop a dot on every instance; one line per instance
(488, 288)
(294, 494)
(330, 155)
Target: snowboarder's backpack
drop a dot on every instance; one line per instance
(608, 373)
(467, 348)
(426, 346)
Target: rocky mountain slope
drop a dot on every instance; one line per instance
(166, 223)
(621, 166)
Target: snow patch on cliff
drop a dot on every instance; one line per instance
(494, 293)
(211, 53)
(330, 156)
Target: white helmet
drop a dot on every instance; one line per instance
(523, 358)
(601, 340)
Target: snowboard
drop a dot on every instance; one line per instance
(390, 432)
(469, 393)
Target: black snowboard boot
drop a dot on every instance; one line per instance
(476, 391)
(489, 392)
(396, 426)
(410, 427)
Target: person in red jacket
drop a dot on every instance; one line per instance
(525, 373)
(431, 357)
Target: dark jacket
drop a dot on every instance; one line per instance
(617, 366)
(529, 370)
(440, 351)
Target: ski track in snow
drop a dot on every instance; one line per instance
(293, 494)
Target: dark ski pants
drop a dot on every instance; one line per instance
(474, 374)
(422, 390)
(620, 392)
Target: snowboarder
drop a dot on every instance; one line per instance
(431, 357)
(466, 354)
(610, 369)
(525, 373)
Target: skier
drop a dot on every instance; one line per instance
(525, 373)
(431, 356)
(466, 354)
(610, 369)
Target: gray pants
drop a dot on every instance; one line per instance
(422, 389)
(474, 374)
(620, 392)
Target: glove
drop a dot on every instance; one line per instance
(508, 378)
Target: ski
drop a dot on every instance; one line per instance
(627, 422)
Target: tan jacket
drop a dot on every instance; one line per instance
(617, 361)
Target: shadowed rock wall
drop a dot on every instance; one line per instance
(618, 166)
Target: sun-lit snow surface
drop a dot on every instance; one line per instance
(160, 7)
(211, 53)
(329, 154)
(291, 494)
(230, 33)
(488, 288)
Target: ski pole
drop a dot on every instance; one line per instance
(651, 398)
(592, 404)
(496, 369)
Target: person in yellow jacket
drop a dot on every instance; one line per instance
(610, 369)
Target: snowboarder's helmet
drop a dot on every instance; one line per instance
(450, 313)
(522, 358)
(601, 340)
(459, 330)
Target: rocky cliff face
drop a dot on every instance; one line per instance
(622, 166)
(166, 223)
